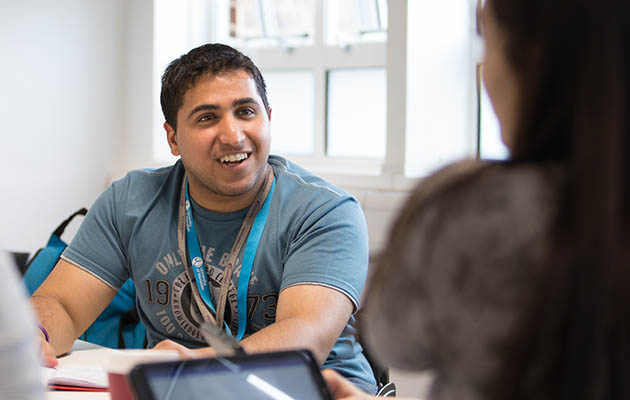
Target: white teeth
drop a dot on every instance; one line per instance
(233, 157)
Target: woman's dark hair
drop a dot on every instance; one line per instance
(572, 60)
(212, 58)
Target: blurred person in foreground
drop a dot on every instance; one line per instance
(509, 280)
(19, 363)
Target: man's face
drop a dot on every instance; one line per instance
(223, 138)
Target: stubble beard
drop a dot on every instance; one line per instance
(212, 187)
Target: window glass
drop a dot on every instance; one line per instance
(356, 21)
(294, 17)
(441, 85)
(290, 95)
(357, 110)
(245, 19)
(273, 22)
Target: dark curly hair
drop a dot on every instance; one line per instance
(213, 58)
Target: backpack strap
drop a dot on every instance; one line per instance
(64, 224)
(45, 259)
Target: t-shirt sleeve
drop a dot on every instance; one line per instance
(330, 248)
(98, 246)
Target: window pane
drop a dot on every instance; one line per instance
(441, 85)
(273, 22)
(357, 108)
(294, 17)
(245, 19)
(356, 21)
(291, 95)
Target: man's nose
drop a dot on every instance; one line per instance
(231, 132)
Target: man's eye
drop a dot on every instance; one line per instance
(206, 117)
(246, 112)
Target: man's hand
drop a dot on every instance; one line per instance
(184, 352)
(341, 388)
(47, 353)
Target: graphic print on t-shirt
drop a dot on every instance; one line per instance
(185, 309)
(179, 314)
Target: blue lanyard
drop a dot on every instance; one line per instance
(199, 268)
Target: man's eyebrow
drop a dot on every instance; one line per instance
(214, 107)
(244, 100)
(203, 107)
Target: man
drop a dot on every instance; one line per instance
(228, 234)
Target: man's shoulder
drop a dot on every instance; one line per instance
(483, 201)
(472, 182)
(151, 174)
(296, 180)
(139, 179)
(143, 188)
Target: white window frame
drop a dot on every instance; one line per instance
(385, 175)
(320, 58)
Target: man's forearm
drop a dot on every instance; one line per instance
(288, 334)
(57, 322)
(292, 333)
(307, 316)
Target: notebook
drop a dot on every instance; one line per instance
(279, 375)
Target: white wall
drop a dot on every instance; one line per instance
(61, 110)
(75, 109)
(136, 142)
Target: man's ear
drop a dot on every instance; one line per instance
(171, 137)
(269, 114)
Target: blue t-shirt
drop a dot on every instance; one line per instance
(315, 234)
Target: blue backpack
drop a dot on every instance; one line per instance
(118, 326)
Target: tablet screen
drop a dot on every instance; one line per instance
(282, 375)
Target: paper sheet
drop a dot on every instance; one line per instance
(85, 368)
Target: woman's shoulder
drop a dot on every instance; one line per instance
(487, 187)
(465, 253)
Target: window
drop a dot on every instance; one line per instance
(273, 22)
(307, 50)
(292, 120)
(356, 113)
(364, 92)
(324, 62)
(365, 21)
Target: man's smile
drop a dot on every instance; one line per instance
(234, 158)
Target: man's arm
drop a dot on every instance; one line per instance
(307, 316)
(67, 302)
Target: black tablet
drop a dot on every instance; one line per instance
(279, 375)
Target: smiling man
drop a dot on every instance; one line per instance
(228, 234)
